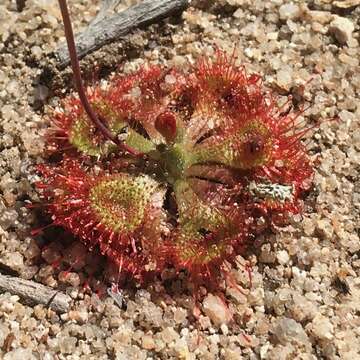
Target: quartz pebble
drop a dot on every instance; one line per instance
(169, 334)
(80, 317)
(20, 354)
(181, 350)
(283, 257)
(180, 315)
(345, 4)
(289, 11)
(321, 17)
(67, 344)
(322, 328)
(284, 77)
(288, 330)
(231, 354)
(216, 309)
(342, 28)
(148, 342)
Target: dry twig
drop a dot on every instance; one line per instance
(34, 293)
(105, 29)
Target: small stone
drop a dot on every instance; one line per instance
(182, 350)
(342, 28)
(216, 310)
(13, 87)
(346, 4)
(231, 354)
(238, 14)
(288, 330)
(51, 20)
(266, 255)
(179, 61)
(20, 354)
(169, 334)
(284, 77)
(349, 60)
(309, 226)
(71, 278)
(123, 336)
(74, 293)
(14, 260)
(356, 138)
(7, 307)
(148, 342)
(239, 296)
(247, 341)
(248, 52)
(36, 51)
(7, 219)
(4, 332)
(32, 250)
(204, 322)
(321, 17)
(272, 35)
(264, 350)
(325, 227)
(224, 329)
(214, 339)
(289, 11)
(180, 315)
(80, 317)
(115, 321)
(170, 79)
(49, 6)
(153, 314)
(262, 326)
(39, 312)
(322, 328)
(67, 344)
(283, 257)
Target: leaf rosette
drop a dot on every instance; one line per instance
(213, 149)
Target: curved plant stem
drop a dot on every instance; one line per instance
(79, 83)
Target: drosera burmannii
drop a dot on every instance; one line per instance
(169, 168)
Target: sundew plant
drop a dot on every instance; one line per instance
(170, 168)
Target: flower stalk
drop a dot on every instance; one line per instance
(96, 120)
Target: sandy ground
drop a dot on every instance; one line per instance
(304, 302)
